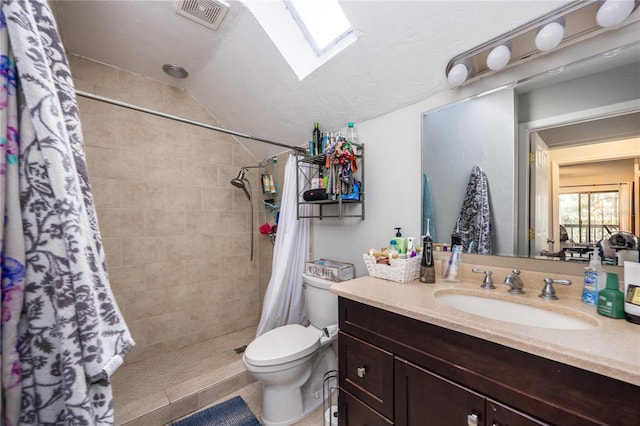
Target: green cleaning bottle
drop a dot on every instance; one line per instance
(611, 299)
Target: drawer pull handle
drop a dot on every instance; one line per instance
(361, 371)
(472, 419)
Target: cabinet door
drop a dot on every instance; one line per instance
(354, 413)
(423, 398)
(501, 415)
(366, 371)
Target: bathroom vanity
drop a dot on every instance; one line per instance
(404, 356)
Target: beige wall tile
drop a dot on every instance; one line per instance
(175, 232)
(106, 192)
(163, 169)
(116, 164)
(201, 173)
(199, 270)
(184, 197)
(112, 249)
(219, 199)
(117, 222)
(141, 250)
(127, 279)
(164, 274)
(202, 223)
(163, 222)
(142, 195)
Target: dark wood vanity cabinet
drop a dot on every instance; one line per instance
(423, 397)
(394, 370)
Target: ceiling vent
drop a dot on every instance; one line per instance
(205, 12)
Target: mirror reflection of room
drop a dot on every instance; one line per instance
(593, 190)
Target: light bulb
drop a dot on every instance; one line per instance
(612, 12)
(457, 74)
(498, 57)
(549, 36)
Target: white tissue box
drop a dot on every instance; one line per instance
(330, 270)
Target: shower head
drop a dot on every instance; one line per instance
(241, 182)
(238, 182)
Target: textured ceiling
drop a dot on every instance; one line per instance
(237, 73)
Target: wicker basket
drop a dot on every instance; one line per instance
(400, 270)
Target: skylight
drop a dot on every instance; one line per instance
(308, 33)
(322, 21)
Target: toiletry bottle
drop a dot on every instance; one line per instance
(351, 133)
(591, 276)
(427, 268)
(316, 138)
(611, 299)
(401, 243)
(392, 251)
(411, 250)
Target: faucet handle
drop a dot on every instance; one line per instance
(488, 281)
(548, 292)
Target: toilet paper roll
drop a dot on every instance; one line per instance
(331, 416)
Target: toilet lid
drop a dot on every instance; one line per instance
(283, 344)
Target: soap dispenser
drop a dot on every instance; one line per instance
(401, 243)
(611, 299)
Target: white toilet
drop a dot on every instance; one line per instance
(291, 360)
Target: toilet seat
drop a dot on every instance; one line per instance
(283, 344)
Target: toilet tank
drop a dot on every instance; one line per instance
(321, 306)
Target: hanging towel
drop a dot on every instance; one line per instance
(427, 209)
(71, 335)
(474, 222)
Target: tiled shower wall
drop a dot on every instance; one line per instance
(175, 231)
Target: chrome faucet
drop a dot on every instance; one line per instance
(548, 292)
(513, 279)
(488, 281)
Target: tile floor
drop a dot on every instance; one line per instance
(171, 385)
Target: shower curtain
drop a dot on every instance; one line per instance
(283, 302)
(62, 332)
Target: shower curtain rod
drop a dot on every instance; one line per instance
(183, 120)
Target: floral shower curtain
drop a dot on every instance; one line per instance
(62, 332)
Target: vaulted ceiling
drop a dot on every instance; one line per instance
(238, 74)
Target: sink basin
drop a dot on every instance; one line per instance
(517, 313)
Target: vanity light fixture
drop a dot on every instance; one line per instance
(613, 12)
(549, 36)
(572, 21)
(457, 74)
(498, 57)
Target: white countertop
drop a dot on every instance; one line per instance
(611, 348)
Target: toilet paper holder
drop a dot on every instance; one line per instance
(330, 398)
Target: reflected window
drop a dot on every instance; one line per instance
(589, 216)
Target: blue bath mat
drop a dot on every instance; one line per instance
(233, 412)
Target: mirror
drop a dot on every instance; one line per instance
(587, 116)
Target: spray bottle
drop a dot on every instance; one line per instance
(427, 268)
(592, 274)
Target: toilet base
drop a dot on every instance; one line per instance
(303, 404)
(300, 401)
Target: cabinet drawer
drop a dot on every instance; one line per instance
(366, 371)
(501, 415)
(355, 413)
